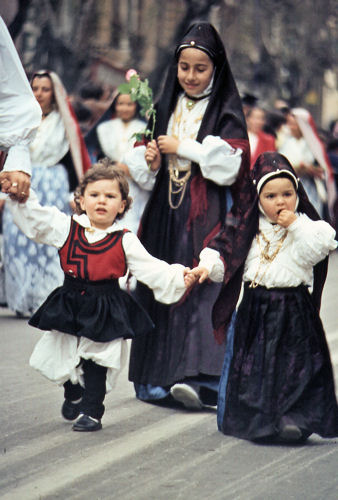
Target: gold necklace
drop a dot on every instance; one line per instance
(264, 257)
(178, 174)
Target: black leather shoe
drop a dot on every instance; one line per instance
(87, 424)
(69, 410)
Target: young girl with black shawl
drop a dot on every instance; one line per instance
(280, 383)
(197, 163)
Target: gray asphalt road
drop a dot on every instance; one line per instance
(145, 452)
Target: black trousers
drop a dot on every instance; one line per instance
(94, 391)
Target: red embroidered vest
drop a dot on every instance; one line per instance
(102, 260)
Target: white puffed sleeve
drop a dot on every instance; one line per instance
(211, 260)
(166, 281)
(219, 162)
(43, 224)
(20, 113)
(313, 240)
(139, 169)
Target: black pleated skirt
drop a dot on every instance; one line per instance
(281, 367)
(99, 311)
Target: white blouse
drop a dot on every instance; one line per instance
(20, 113)
(116, 137)
(218, 161)
(48, 225)
(50, 143)
(307, 243)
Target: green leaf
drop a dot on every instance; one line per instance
(124, 88)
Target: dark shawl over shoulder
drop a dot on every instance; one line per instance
(223, 117)
(235, 241)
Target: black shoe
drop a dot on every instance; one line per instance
(69, 410)
(87, 424)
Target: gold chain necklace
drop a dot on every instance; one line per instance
(179, 175)
(264, 256)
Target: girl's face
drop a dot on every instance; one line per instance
(277, 195)
(293, 126)
(255, 120)
(102, 201)
(125, 108)
(195, 70)
(44, 94)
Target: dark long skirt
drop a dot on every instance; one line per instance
(280, 368)
(182, 344)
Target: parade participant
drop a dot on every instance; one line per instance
(116, 138)
(306, 153)
(259, 140)
(32, 271)
(199, 155)
(280, 384)
(89, 317)
(20, 116)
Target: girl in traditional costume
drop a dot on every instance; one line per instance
(88, 318)
(306, 153)
(59, 159)
(116, 137)
(197, 162)
(280, 383)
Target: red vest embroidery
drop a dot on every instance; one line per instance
(102, 260)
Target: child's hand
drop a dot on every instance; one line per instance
(286, 218)
(168, 144)
(153, 155)
(199, 273)
(189, 278)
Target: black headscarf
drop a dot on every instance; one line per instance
(235, 242)
(223, 117)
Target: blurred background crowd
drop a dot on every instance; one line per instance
(283, 56)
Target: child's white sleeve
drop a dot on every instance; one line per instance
(218, 160)
(166, 281)
(139, 169)
(43, 224)
(211, 260)
(312, 240)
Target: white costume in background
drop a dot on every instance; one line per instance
(116, 139)
(33, 271)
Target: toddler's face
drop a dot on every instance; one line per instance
(102, 201)
(125, 107)
(277, 195)
(195, 70)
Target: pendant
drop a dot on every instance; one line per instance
(190, 104)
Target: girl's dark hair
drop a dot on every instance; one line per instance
(103, 169)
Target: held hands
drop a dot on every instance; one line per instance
(286, 218)
(192, 275)
(16, 184)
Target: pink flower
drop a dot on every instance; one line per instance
(130, 73)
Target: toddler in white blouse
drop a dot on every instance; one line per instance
(280, 384)
(88, 318)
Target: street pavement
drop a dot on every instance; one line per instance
(145, 452)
